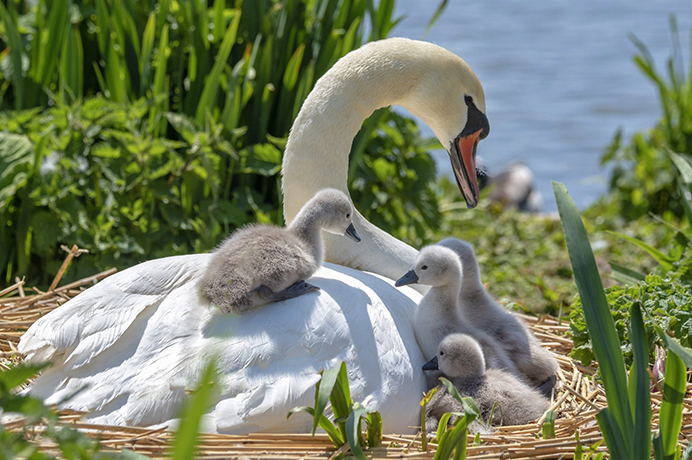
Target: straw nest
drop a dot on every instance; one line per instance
(576, 400)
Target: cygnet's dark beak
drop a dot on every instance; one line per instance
(409, 278)
(351, 233)
(431, 365)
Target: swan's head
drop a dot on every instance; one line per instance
(458, 356)
(449, 98)
(333, 210)
(434, 266)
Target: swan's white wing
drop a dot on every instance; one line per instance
(136, 362)
(356, 317)
(91, 322)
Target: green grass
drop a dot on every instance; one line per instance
(626, 421)
(348, 415)
(166, 122)
(643, 178)
(523, 257)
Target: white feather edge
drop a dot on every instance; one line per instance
(136, 340)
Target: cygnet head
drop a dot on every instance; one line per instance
(333, 212)
(465, 252)
(459, 355)
(463, 249)
(434, 266)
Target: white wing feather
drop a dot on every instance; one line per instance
(134, 342)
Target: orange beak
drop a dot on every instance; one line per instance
(463, 157)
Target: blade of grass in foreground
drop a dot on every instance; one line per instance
(374, 431)
(640, 395)
(670, 419)
(455, 438)
(323, 391)
(599, 320)
(617, 447)
(341, 398)
(684, 180)
(324, 423)
(672, 344)
(353, 430)
(186, 438)
(625, 275)
(549, 425)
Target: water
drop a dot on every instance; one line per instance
(558, 76)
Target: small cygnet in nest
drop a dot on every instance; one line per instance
(536, 364)
(460, 359)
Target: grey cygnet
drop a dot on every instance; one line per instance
(438, 313)
(478, 308)
(260, 264)
(460, 359)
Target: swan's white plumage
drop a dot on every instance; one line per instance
(138, 339)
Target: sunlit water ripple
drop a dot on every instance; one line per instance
(558, 77)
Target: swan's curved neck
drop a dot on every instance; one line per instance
(318, 150)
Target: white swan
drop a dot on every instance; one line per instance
(140, 337)
(429, 81)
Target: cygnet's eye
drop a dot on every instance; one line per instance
(424, 267)
(442, 353)
(348, 215)
(468, 99)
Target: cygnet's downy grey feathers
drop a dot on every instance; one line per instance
(438, 313)
(459, 358)
(480, 310)
(260, 264)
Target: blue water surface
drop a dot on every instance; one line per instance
(558, 76)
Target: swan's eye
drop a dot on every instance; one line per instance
(468, 99)
(442, 353)
(348, 216)
(424, 267)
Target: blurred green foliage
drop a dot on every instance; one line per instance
(668, 304)
(41, 436)
(522, 256)
(665, 294)
(139, 130)
(392, 178)
(643, 178)
(24, 443)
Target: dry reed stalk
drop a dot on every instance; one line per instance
(9, 289)
(576, 400)
(71, 253)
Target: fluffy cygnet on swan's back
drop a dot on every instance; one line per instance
(460, 359)
(265, 263)
(482, 312)
(438, 313)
